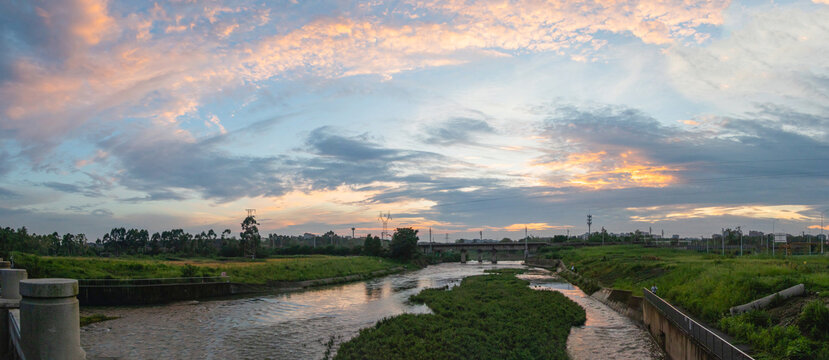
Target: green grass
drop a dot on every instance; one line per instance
(292, 268)
(707, 285)
(493, 316)
(94, 318)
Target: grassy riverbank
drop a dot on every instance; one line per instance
(262, 271)
(707, 285)
(494, 316)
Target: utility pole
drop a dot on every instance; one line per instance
(526, 247)
(740, 230)
(481, 235)
(822, 239)
(810, 242)
(773, 238)
(723, 242)
(430, 239)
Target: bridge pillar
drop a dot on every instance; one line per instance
(49, 320)
(463, 256)
(494, 258)
(10, 283)
(480, 258)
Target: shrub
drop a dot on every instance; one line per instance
(814, 320)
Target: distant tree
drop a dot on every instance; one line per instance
(250, 237)
(404, 243)
(372, 246)
(506, 240)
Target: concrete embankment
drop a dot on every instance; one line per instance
(678, 335)
(622, 301)
(145, 294)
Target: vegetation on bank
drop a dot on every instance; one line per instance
(495, 316)
(95, 318)
(707, 285)
(262, 271)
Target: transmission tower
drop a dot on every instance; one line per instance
(251, 212)
(384, 218)
(589, 223)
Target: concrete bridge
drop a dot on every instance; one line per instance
(492, 248)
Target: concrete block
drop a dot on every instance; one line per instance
(10, 283)
(50, 320)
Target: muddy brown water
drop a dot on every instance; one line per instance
(307, 324)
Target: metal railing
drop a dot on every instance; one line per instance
(150, 282)
(706, 338)
(14, 335)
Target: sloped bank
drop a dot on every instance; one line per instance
(146, 294)
(621, 301)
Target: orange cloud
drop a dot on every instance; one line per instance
(601, 170)
(781, 212)
(529, 226)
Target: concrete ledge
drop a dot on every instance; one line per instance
(49, 288)
(9, 304)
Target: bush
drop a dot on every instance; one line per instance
(814, 320)
(487, 317)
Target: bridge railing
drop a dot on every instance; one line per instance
(153, 281)
(706, 338)
(16, 350)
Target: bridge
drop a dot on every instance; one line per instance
(493, 248)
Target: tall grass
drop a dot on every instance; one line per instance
(707, 285)
(249, 272)
(487, 317)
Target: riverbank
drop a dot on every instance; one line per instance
(280, 271)
(492, 316)
(274, 325)
(708, 285)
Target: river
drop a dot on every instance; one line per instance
(307, 324)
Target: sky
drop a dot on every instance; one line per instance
(463, 116)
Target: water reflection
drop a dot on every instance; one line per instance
(606, 334)
(276, 326)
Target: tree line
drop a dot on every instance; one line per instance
(177, 242)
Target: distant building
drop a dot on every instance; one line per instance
(754, 233)
(308, 236)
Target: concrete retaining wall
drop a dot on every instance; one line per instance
(622, 301)
(150, 294)
(99, 295)
(675, 342)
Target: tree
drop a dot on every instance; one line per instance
(249, 237)
(404, 243)
(372, 246)
(506, 240)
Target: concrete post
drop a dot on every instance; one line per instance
(463, 256)
(10, 283)
(49, 319)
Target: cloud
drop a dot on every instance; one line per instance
(459, 130)
(7, 194)
(679, 213)
(770, 58)
(164, 163)
(97, 63)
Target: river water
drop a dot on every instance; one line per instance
(307, 324)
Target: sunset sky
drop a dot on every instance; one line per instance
(683, 116)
